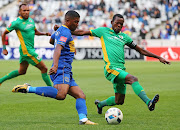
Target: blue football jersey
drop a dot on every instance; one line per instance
(63, 37)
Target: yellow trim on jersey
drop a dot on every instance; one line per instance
(114, 72)
(20, 17)
(71, 46)
(7, 30)
(65, 26)
(91, 33)
(23, 46)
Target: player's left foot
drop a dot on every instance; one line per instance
(152, 103)
(88, 122)
(99, 109)
(21, 88)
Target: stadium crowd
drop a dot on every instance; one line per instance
(140, 19)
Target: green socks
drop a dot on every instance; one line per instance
(140, 92)
(46, 79)
(11, 75)
(108, 102)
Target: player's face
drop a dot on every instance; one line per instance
(73, 23)
(117, 24)
(24, 12)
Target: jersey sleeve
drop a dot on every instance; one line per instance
(97, 32)
(130, 43)
(12, 26)
(63, 38)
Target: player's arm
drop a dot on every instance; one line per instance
(41, 33)
(81, 32)
(148, 53)
(51, 41)
(5, 52)
(76, 32)
(56, 56)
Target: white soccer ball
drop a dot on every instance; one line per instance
(113, 115)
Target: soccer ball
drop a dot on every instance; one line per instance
(113, 115)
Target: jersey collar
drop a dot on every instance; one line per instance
(114, 32)
(65, 26)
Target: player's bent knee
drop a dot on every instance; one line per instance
(22, 72)
(61, 97)
(119, 102)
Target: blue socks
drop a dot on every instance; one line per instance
(81, 108)
(44, 91)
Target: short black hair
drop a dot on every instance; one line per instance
(72, 14)
(117, 15)
(22, 5)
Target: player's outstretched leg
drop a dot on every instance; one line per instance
(11, 75)
(47, 91)
(108, 102)
(152, 103)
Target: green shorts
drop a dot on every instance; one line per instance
(117, 77)
(32, 58)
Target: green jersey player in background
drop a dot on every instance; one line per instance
(26, 30)
(113, 42)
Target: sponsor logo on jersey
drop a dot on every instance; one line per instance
(30, 20)
(120, 36)
(63, 39)
(57, 33)
(66, 79)
(29, 26)
(9, 25)
(24, 22)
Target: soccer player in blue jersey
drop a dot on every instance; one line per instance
(60, 71)
(113, 42)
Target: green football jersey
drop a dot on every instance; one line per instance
(25, 29)
(112, 45)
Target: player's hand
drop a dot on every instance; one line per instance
(48, 34)
(5, 52)
(53, 70)
(56, 27)
(162, 60)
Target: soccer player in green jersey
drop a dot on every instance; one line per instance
(113, 42)
(25, 29)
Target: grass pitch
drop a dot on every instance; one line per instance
(30, 111)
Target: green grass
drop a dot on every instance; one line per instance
(29, 111)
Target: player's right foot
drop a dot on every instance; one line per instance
(99, 109)
(21, 88)
(88, 122)
(152, 103)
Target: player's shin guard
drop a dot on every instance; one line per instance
(46, 91)
(140, 92)
(81, 109)
(46, 79)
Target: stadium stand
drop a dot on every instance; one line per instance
(142, 17)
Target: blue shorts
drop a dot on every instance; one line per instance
(63, 76)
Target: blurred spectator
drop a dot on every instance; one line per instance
(98, 12)
(152, 36)
(133, 4)
(168, 27)
(102, 5)
(90, 8)
(176, 30)
(3, 24)
(166, 36)
(120, 4)
(110, 8)
(128, 12)
(143, 32)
